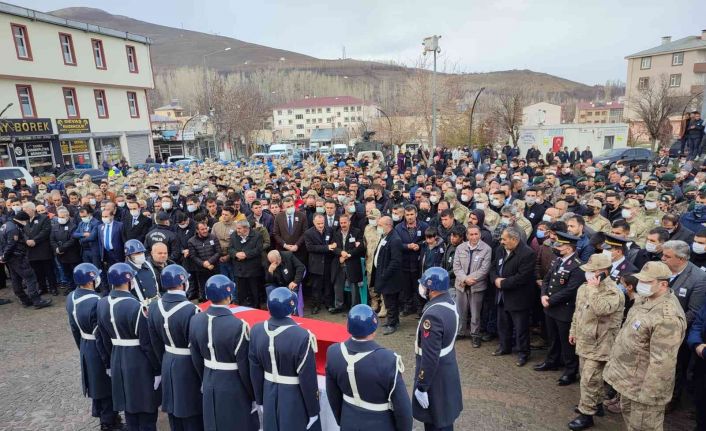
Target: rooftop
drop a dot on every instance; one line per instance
(320, 102)
(688, 43)
(599, 105)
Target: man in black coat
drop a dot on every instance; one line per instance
(39, 252)
(586, 154)
(559, 301)
(320, 246)
(246, 254)
(387, 261)
(135, 224)
(65, 245)
(512, 275)
(284, 270)
(346, 268)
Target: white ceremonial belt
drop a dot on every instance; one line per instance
(443, 352)
(125, 342)
(366, 405)
(223, 366)
(90, 337)
(285, 380)
(177, 350)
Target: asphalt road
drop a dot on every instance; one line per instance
(39, 380)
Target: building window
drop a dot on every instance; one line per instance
(360, 119)
(345, 109)
(338, 114)
(300, 135)
(318, 111)
(677, 59)
(289, 112)
(279, 112)
(645, 63)
(675, 80)
(21, 38)
(307, 111)
(279, 122)
(131, 59)
(67, 49)
(71, 102)
(328, 110)
(345, 119)
(358, 108)
(98, 53)
(299, 117)
(101, 105)
(308, 121)
(26, 98)
(643, 83)
(290, 122)
(132, 104)
(300, 126)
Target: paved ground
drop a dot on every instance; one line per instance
(39, 380)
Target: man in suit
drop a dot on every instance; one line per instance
(39, 253)
(246, 254)
(289, 229)
(331, 215)
(110, 238)
(87, 234)
(387, 261)
(284, 270)
(320, 246)
(586, 154)
(512, 275)
(262, 217)
(347, 269)
(135, 224)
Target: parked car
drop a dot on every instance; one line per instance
(96, 175)
(174, 159)
(10, 173)
(148, 166)
(674, 150)
(629, 156)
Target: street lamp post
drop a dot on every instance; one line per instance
(6, 108)
(470, 126)
(431, 43)
(205, 74)
(389, 123)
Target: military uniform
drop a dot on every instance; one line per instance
(598, 223)
(219, 350)
(13, 252)
(436, 370)
(145, 286)
(595, 324)
(283, 374)
(365, 388)
(639, 228)
(525, 225)
(372, 238)
(169, 319)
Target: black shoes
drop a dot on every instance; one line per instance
(41, 303)
(315, 309)
(545, 366)
(5, 301)
(487, 337)
(600, 411)
(566, 379)
(500, 352)
(475, 341)
(521, 361)
(335, 310)
(389, 329)
(581, 422)
(406, 313)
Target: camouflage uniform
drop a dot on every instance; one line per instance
(652, 217)
(598, 224)
(372, 238)
(461, 213)
(596, 322)
(643, 359)
(524, 224)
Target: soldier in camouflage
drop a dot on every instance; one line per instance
(652, 216)
(632, 213)
(643, 358)
(593, 217)
(595, 324)
(372, 238)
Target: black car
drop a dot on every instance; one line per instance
(631, 157)
(675, 149)
(96, 175)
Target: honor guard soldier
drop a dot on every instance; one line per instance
(168, 320)
(81, 305)
(364, 384)
(559, 301)
(283, 368)
(129, 357)
(145, 286)
(437, 385)
(219, 351)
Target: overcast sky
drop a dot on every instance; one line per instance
(585, 41)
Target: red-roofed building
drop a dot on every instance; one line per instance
(599, 112)
(296, 119)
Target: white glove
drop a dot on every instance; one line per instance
(422, 398)
(311, 421)
(157, 381)
(107, 371)
(254, 407)
(260, 409)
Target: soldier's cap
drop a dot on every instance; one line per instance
(581, 179)
(595, 203)
(173, 189)
(596, 262)
(21, 216)
(630, 191)
(374, 213)
(613, 241)
(599, 179)
(669, 177)
(631, 203)
(566, 238)
(197, 189)
(538, 180)
(153, 187)
(566, 183)
(450, 195)
(640, 192)
(666, 198)
(599, 190)
(689, 188)
(654, 271)
(652, 196)
(162, 216)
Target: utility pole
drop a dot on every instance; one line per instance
(431, 43)
(470, 127)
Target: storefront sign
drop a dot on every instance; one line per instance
(26, 127)
(38, 149)
(73, 125)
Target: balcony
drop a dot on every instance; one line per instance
(700, 67)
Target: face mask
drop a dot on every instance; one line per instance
(320, 210)
(351, 209)
(608, 254)
(589, 275)
(643, 289)
(650, 205)
(459, 186)
(540, 234)
(107, 220)
(380, 231)
(134, 213)
(395, 217)
(503, 176)
(16, 209)
(62, 220)
(372, 222)
(138, 259)
(621, 170)
(434, 199)
(97, 281)
(590, 211)
(465, 198)
(626, 213)
(184, 225)
(290, 211)
(191, 208)
(341, 199)
(650, 247)
(166, 205)
(153, 195)
(268, 195)
(121, 204)
(698, 248)
(547, 218)
(531, 201)
(86, 219)
(570, 199)
(422, 291)
(480, 205)
(92, 202)
(506, 221)
(496, 203)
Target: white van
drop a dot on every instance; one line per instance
(10, 173)
(278, 150)
(339, 149)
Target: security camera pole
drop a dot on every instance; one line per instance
(431, 43)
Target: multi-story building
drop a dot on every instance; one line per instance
(599, 112)
(681, 63)
(76, 93)
(294, 121)
(541, 113)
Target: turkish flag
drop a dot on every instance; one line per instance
(557, 143)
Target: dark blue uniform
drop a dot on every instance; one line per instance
(81, 306)
(219, 351)
(13, 251)
(129, 355)
(436, 369)
(287, 386)
(168, 321)
(380, 401)
(145, 287)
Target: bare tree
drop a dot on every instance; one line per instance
(508, 112)
(653, 104)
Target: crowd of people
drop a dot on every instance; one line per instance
(605, 266)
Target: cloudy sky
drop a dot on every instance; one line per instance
(585, 41)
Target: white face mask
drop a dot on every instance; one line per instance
(497, 202)
(434, 199)
(134, 213)
(506, 221)
(372, 222)
(608, 254)
(107, 220)
(166, 205)
(643, 289)
(121, 204)
(62, 220)
(138, 259)
(97, 281)
(531, 201)
(650, 247)
(351, 209)
(480, 205)
(153, 195)
(547, 218)
(698, 248)
(422, 291)
(86, 219)
(381, 231)
(650, 205)
(16, 208)
(589, 275)
(191, 208)
(395, 217)
(92, 202)
(503, 176)
(626, 213)
(465, 198)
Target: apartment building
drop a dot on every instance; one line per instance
(681, 62)
(599, 112)
(295, 120)
(74, 94)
